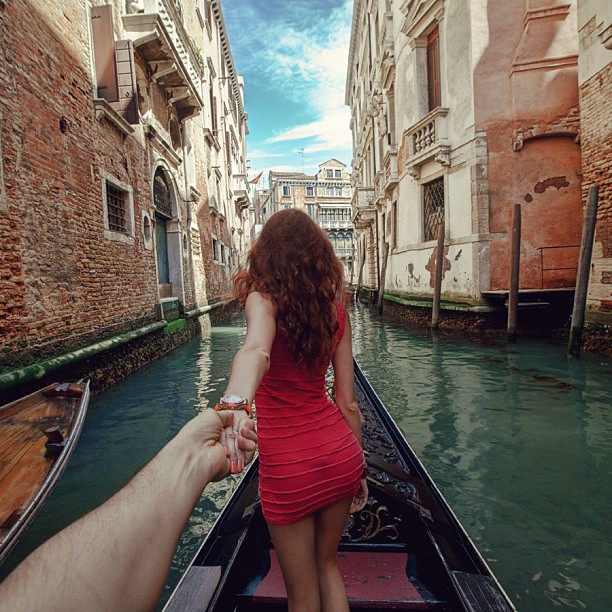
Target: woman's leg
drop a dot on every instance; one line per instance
(295, 549)
(329, 525)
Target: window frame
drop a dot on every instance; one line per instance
(126, 237)
(428, 229)
(434, 83)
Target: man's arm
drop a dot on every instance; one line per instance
(117, 556)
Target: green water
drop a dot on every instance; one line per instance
(517, 437)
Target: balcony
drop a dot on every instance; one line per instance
(428, 141)
(364, 209)
(240, 190)
(331, 224)
(391, 175)
(156, 29)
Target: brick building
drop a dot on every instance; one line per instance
(595, 80)
(325, 197)
(123, 197)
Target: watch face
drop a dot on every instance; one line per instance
(233, 399)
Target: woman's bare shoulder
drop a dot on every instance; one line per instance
(260, 300)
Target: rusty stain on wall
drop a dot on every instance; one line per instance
(431, 265)
(555, 181)
(412, 279)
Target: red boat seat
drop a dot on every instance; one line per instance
(372, 579)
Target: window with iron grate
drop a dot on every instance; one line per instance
(433, 208)
(116, 208)
(161, 194)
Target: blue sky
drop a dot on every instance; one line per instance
(293, 56)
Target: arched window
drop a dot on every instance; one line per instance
(161, 194)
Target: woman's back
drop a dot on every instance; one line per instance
(309, 457)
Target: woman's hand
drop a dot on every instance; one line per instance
(361, 497)
(229, 438)
(238, 438)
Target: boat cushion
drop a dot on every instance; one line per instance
(371, 578)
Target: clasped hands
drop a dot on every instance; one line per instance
(228, 438)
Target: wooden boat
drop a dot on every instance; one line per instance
(37, 436)
(405, 550)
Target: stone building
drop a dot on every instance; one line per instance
(595, 81)
(325, 197)
(460, 110)
(123, 201)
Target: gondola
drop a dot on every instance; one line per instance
(37, 436)
(406, 550)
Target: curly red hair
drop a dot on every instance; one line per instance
(294, 263)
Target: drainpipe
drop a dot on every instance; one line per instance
(186, 180)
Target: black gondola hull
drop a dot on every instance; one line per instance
(405, 550)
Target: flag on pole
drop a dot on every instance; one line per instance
(256, 179)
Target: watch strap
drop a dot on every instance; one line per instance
(241, 406)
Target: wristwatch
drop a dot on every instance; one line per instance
(232, 401)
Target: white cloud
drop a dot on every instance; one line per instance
(262, 153)
(306, 61)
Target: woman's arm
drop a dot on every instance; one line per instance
(344, 379)
(252, 360)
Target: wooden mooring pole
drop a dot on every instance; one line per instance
(584, 267)
(515, 263)
(435, 311)
(383, 273)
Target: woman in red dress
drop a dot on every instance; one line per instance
(311, 460)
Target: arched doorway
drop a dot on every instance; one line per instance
(163, 213)
(168, 244)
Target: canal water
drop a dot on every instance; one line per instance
(517, 437)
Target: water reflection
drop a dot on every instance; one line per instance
(518, 439)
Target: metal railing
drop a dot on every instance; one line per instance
(332, 224)
(544, 269)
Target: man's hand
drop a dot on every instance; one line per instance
(230, 437)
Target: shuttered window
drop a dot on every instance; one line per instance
(104, 52)
(127, 101)
(433, 70)
(114, 65)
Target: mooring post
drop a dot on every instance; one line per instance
(435, 311)
(584, 267)
(383, 273)
(515, 262)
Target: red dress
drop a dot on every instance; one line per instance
(309, 456)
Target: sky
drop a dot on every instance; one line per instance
(293, 56)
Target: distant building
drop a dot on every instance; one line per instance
(325, 197)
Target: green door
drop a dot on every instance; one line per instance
(161, 246)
